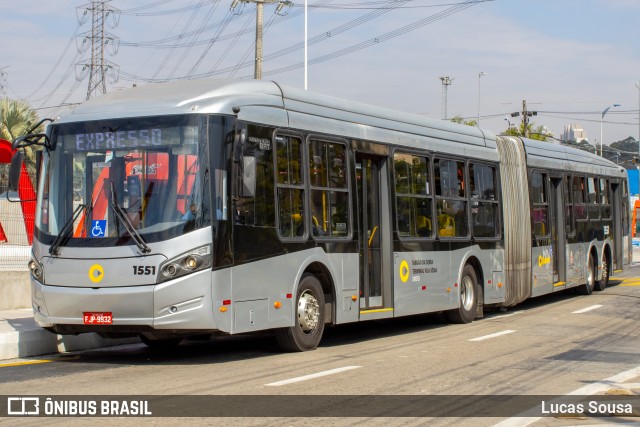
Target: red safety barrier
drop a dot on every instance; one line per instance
(26, 193)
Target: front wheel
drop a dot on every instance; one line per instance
(307, 331)
(466, 312)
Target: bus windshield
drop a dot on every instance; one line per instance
(153, 170)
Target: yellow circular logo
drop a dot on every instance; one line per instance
(96, 273)
(404, 271)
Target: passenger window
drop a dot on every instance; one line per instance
(592, 198)
(329, 190)
(290, 187)
(451, 203)
(539, 204)
(484, 203)
(568, 207)
(578, 190)
(413, 196)
(605, 204)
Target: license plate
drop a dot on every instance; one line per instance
(91, 318)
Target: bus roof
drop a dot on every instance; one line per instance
(281, 106)
(544, 154)
(268, 102)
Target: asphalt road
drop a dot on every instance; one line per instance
(553, 345)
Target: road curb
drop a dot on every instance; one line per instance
(36, 341)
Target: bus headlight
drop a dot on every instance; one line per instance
(35, 268)
(195, 260)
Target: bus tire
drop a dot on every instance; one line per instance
(602, 284)
(307, 331)
(466, 311)
(587, 287)
(160, 344)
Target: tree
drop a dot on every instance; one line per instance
(539, 132)
(582, 145)
(462, 121)
(623, 152)
(16, 119)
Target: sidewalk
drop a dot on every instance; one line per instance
(21, 337)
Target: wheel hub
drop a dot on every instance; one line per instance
(466, 293)
(308, 312)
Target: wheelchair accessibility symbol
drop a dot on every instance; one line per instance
(98, 227)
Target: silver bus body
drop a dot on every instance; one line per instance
(415, 275)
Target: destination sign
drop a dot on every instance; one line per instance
(99, 141)
(129, 139)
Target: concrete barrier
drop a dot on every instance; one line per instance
(15, 290)
(20, 337)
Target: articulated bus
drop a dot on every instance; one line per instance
(220, 206)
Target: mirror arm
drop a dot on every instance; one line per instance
(31, 139)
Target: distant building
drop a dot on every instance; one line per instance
(574, 133)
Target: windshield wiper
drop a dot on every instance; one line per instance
(63, 235)
(126, 221)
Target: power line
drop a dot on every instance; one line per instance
(325, 35)
(169, 54)
(587, 120)
(195, 38)
(247, 52)
(385, 7)
(133, 12)
(381, 39)
(215, 37)
(372, 5)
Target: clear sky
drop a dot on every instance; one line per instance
(569, 59)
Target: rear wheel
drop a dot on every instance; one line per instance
(307, 331)
(587, 288)
(466, 312)
(601, 284)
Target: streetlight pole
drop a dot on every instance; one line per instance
(482, 73)
(601, 121)
(446, 82)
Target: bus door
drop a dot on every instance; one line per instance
(616, 191)
(558, 233)
(373, 231)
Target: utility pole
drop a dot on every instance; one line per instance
(257, 74)
(99, 39)
(525, 118)
(446, 82)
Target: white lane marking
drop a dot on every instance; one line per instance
(584, 310)
(587, 390)
(502, 316)
(312, 376)
(497, 334)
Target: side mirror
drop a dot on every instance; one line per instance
(249, 176)
(15, 170)
(39, 155)
(240, 140)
